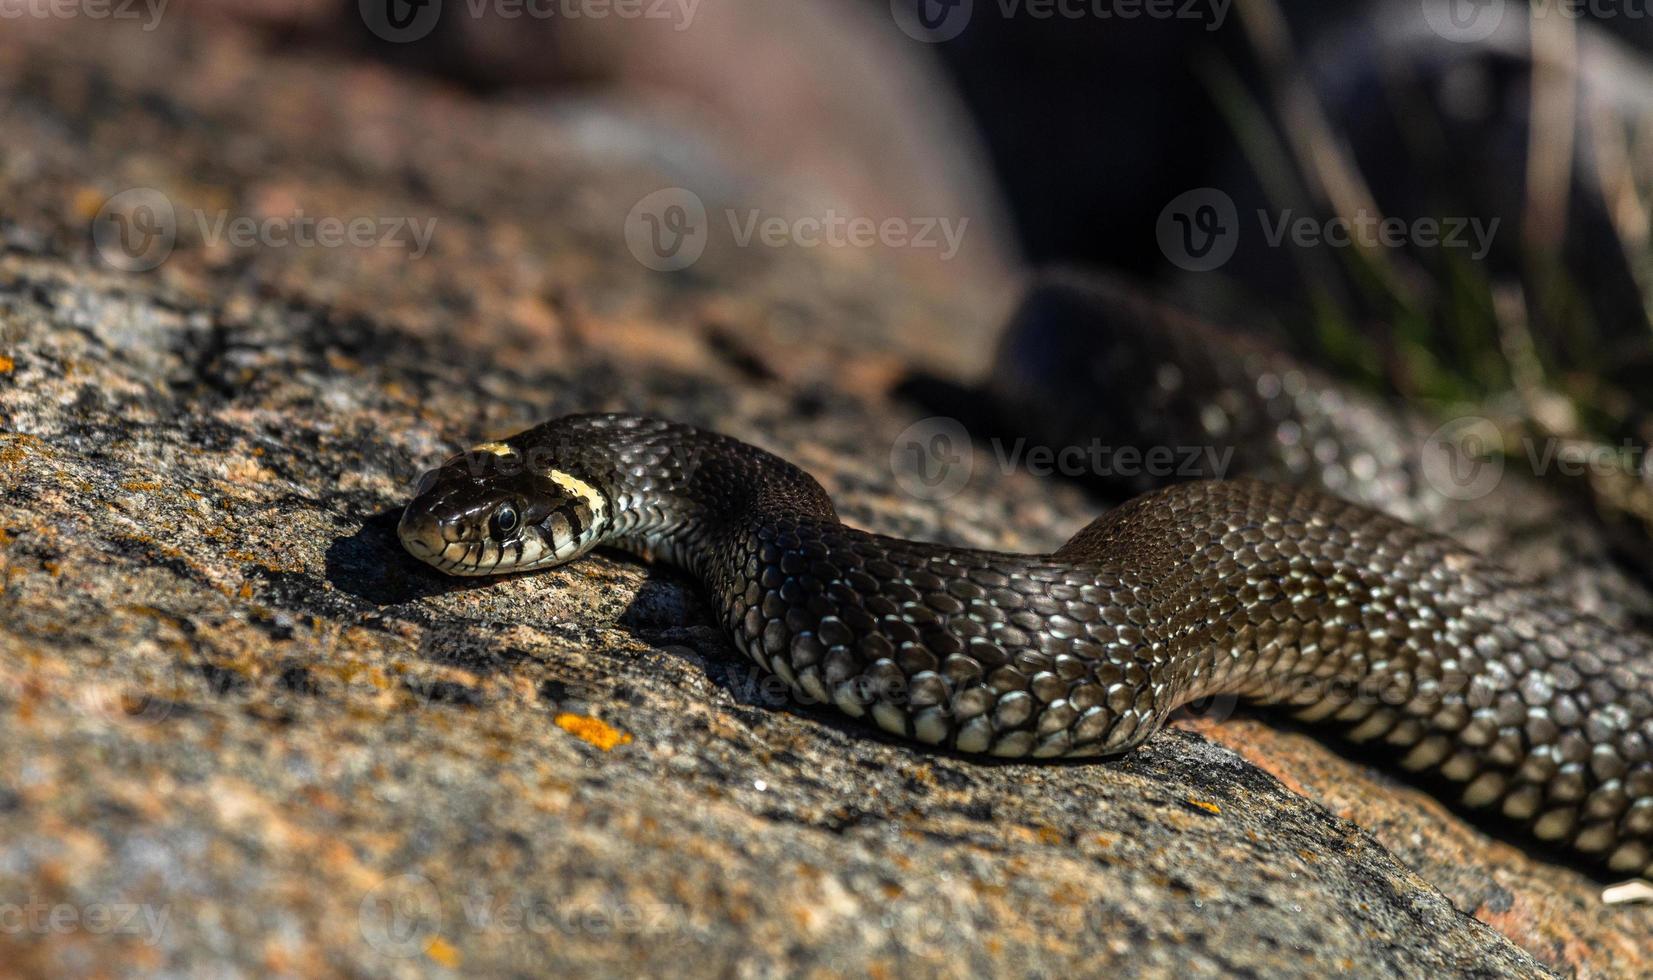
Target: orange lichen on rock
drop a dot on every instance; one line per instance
(592, 730)
(443, 952)
(14, 451)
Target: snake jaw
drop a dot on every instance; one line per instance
(471, 553)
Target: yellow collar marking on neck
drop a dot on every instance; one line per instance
(575, 485)
(497, 448)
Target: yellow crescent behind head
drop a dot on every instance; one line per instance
(579, 487)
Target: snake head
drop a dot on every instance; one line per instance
(492, 510)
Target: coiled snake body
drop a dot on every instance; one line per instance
(1273, 593)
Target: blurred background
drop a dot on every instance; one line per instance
(1444, 201)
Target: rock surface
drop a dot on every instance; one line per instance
(241, 731)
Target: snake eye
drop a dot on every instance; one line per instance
(504, 520)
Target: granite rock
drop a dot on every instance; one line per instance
(242, 732)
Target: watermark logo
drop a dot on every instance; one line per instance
(300, 230)
(41, 918)
(149, 10)
(400, 916)
(147, 698)
(1098, 458)
(1464, 21)
(679, 12)
(834, 230)
(1213, 708)
(932, 21)
(932, 459)
(1466, 458)
(484, 911)
(1463, 459)
(1364, 229)
(403, 916)
(667, 231)
(135, 230)
(499, 459)
(400, 21)
(406, 21)
(1199, 229)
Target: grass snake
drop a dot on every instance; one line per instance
(1325, 588)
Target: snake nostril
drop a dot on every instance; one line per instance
(420, 533)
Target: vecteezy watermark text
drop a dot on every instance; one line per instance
(679, 12)
(136, 230)
(1368, 230)
(404, 915)
(149, 10)
(1466, 457)
(849, 684)
(836, 230)
(934, 458)
(1472, 21)
(932, 21)
(308, 231)
(1200, 229)
(485, 911)
(500, 459)
(406, 21)
(1097, 458)
(42, 918)
(668, 230)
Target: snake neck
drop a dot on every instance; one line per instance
(677, 494)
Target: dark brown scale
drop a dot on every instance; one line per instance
(1087, 359)
(1281, 595)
